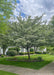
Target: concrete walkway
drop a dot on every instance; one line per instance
(47, 70)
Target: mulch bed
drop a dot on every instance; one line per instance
(24, 60)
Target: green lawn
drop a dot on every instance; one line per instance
(6, 73)
(33, 65)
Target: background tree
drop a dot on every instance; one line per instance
(50, 36)
(5, 41)
(6, 10)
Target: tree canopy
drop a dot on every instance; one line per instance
(50, 36)
(28, 32)
(6, 7)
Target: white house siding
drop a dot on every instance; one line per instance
(1, 50)
(21, 50)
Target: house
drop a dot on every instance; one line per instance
(21, 49)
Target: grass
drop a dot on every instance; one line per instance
(6, 73)
(33, 65)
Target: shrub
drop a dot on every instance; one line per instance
(21, 53)
(25, 53)
(31, 49)
(11, 53)
(15, 48)
(2, 55)
(39, 58)
(12, 49)
(44, 52)
(38, 52)
(32, 52)
(52, 53)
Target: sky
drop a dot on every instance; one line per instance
(35, 8)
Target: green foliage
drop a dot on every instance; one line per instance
(4, 42)
(39, 58)
(25, 53)
(6, 10)
(41, 52)
(44, 52)
(12, 49)
(15, 48)
(38, 52)
(28, 32)
(52, 53)
(42, 47)
(21, 53)
(2, 55)
(11, 53)
(50, 50)
(50, 36)
(31, 50)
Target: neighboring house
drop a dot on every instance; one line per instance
(21, 49)
(8, 48)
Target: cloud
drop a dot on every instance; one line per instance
(35, 7)
(48, 4)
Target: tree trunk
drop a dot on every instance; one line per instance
(17, 52)
(28, 53)
(34, 49)
(3, 51)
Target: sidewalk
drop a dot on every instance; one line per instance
(47, 70)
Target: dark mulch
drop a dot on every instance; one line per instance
(25, 60)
